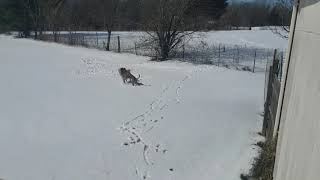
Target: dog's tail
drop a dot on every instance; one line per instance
(140, 84)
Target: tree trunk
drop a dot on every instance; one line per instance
(36, 34)
(165, 50)
(108, 41)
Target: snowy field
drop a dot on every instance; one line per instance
(66, 115)
(238, 49)
(257, 38)
(254, 38)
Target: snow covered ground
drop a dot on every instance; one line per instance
(66, 115)
(236, 49)
(252, 38)
(259, 37)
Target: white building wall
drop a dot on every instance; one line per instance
(298, 153)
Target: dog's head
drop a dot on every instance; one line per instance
(122, 70)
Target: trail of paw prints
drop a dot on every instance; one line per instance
(180, 83)
(134, 138)
(142, 174)
(179, 87)
(144, 122)
(156, 104)
(137, 130)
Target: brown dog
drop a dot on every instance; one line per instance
(127, 77)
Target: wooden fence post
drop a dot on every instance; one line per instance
(119, 48)
(281, 66)
(254, 60)
(69, 38)
(97, 40)
(274, 56)
(83, 40)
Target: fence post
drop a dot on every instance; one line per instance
(281, 66)
(238, 55)
(274, 56)
(135, 48)
(83, 40)
(119, 49)
(254, 60)
(234, 55)
(78, 40)
(219, 56)
(97, 38)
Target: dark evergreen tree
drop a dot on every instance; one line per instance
(208, 8)
(14, 16)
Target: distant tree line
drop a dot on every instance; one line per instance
(39, 15)
(167, 22)
(251, 14)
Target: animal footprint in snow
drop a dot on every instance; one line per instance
(154, 121)
(159, 149)
(135, 140)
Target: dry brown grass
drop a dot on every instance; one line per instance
(263, 164)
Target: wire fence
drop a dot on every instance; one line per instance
(272, 92)
(238, 57)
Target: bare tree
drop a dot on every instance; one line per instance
(167, 25)
(52, 13)
(170, 22)
(33, 8)
(109, 11)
